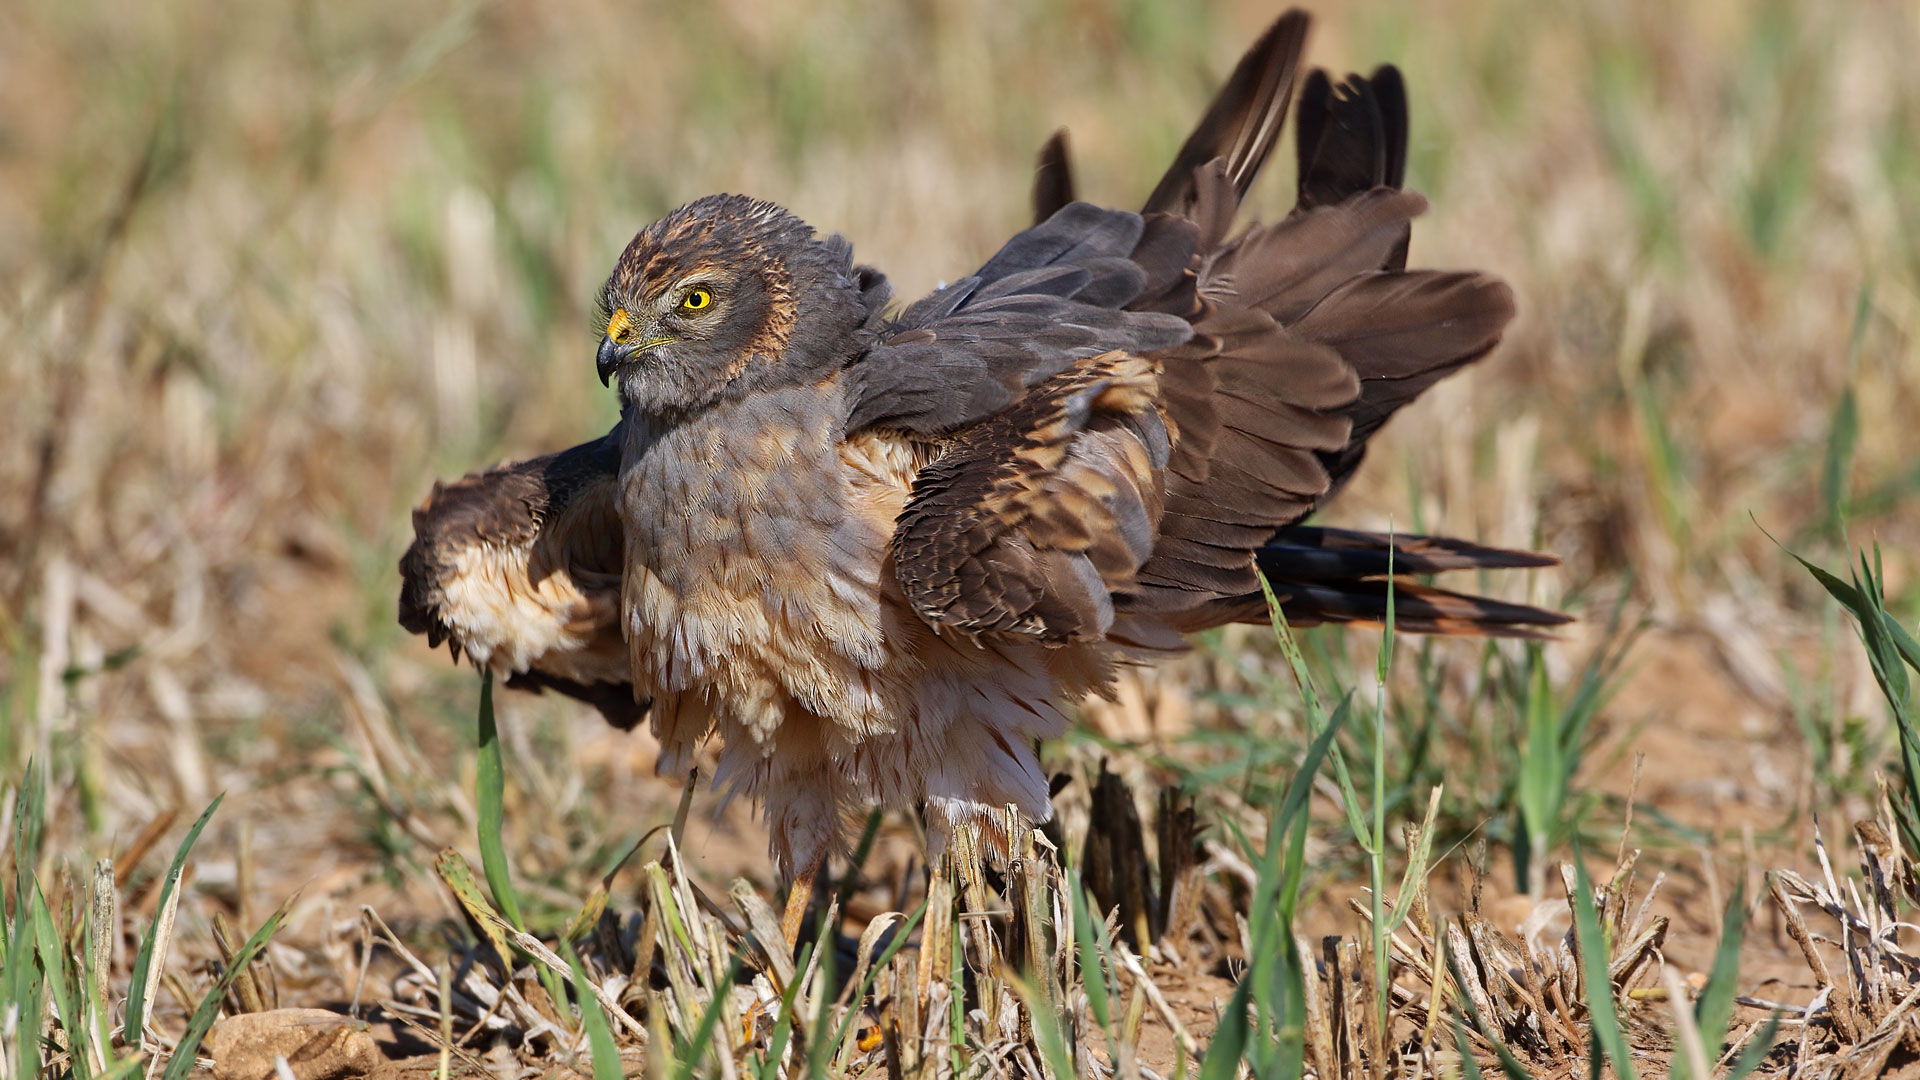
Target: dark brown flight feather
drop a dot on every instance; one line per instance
(1052, 178)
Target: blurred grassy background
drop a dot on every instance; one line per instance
(268, 270)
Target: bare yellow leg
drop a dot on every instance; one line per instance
(798, 897)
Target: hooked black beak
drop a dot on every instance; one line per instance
(610, 358)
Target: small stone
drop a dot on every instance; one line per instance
(318, 1045)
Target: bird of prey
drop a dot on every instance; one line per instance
(875, 550)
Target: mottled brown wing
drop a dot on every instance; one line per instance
(1033, 519)
(518, 569)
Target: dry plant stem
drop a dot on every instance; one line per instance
(765, 930)
(1131, 964)
(1319, 1033)
(1823, 977)
(162, 939)
(401, 1014)
(129, 860)
(1372, 1010)
(246, 988)
(105, 918)
(443, 978)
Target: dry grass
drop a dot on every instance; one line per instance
(265, 272)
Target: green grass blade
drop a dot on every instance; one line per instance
(956, 983)
(1222, 1060)
(1291, 822)
(490, 780)
(1543, 788)
(143, 961)
(1093, 974)
(61, 984)
(1291, 1015)
(1756, 1050)
(606, 1057)
(1714, 1011)
(1273, 986)
(182, 1062)
(783, 1023)
(1316, 711)
(1593, 966)
(1890, 650)
(1885, 639)
(1377, 864)
(1843, 434)
(27, 1041)
(1843, 431)
(21, 977)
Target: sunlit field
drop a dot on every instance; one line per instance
(268, 271)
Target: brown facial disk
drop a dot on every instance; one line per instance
(724, 296)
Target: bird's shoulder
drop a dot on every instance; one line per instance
(1054, 295)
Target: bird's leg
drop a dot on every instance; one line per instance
(934, 956)
(799, 896)
(934, 953)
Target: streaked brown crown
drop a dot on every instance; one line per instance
(716, 234)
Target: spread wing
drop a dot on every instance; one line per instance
(518, 569)
(1257, 365)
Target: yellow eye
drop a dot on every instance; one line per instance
(696, 299)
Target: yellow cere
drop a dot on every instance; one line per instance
(618, 325)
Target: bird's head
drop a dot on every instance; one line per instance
(724, 297)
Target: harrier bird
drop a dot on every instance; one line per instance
(876, 550)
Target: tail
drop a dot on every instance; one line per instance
(1324, 575)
